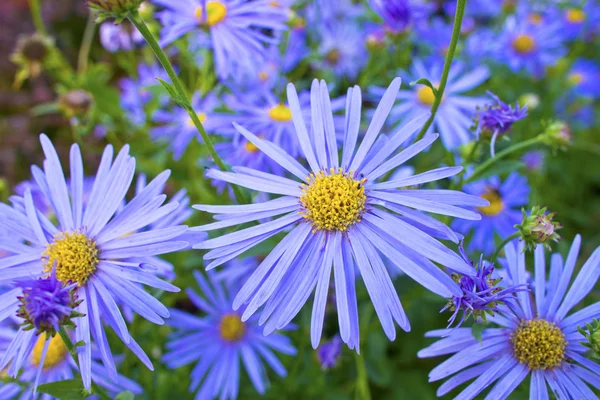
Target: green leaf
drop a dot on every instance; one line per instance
(44, 109)
(81, 343)
(425, 82)
(66, 390)
(125, 396)
(173, 93)
(477, 330)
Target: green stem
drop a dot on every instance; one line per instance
(184, 99)
(458, 17)
(36, 14)
(504, 243)
(86, 43)
(73, 351)
(362, 385)
(503, 154)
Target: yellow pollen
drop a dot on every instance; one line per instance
(57, 351)
(263, 76)
(215, 13)
(201, 117)
(333, 201)
(539, 344)
(535, 18)
(232, 328)
(523, 44)
(280, 113)
(576, 78)
(274, 4)
(575, 15)
(495, 206)
(74, 254)
(425, 95)
(250, 147)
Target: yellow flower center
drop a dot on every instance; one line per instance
(333, 56)
(74, 255)
(232, 328)
(333, 201)
(201, 117)
(575, 78)
(523, 44)
(57, 351)
(215, 13)
(425, 95)
(539, 344)
(535, 18)
(575, 15)
(495, 206)
(280, 113)
(263, 76)
(250, 147)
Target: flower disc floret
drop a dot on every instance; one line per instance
(539, 344)
(56, 353)
(232, 328)
(496, 204)
(426, 95)
(74, 256)
(280, 113)
(333, 201)
(215, 13)
(523, 44)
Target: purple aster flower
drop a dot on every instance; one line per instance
(534, 160)
(90, 246)
(579, 20)
(537, 337)
(119, 37)
(498, 218)
(396, 14)
(137, 93)
(584, 77)
(47, 304)
(528, 46)
(236, 30)
(329, 353)
(497, 119)
(454, 116)
(339, 214)
(342, 49)
(482, 293)
(178, 129)
(218, 341)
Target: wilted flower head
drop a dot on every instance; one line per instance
(75, 103)
(538, 227)
(497, 119)
(29, 55)
(47, 304)
(482, 293)
(329, 353)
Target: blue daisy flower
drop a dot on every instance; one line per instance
(504, 211)
(238, 30)
(455, 114)
(584, 76)
(137, 93)
(530, 45)
(57, 365)
(535, 337)
(339, 214)
(90, 247)
(178, 129)
(218, 342)
(396, 14)
(121, 37)
(579, 21)
(342, 49)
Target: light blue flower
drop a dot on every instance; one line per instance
(339, 214)
(535, 337)
(584, 76)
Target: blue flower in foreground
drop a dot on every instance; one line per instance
(454, 116)
(90, 247)
(218, 341)
(340, 215)
(137, 93)
(497, 119)
(178, 129)
(499, 217)
(584, 77)
(236, 28)
(58, 365)
(535, 337)
(529, 46)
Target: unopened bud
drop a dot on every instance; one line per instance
(538, 227)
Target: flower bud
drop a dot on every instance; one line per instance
(538, 227)
(118, 9)
(558, 135)
(75, 103)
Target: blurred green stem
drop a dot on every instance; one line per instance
(73, 351)
(504, 243)
(36, 14)
(458, 17)
(362, 383)
(480, 170)
(86, 43)
(183, 98)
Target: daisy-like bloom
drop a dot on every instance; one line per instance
(396, 14)
(584, 77)
(218, 341)
(178, 129)
(498, 218)
(136, 93)
(497, 119)
(454, 116)
(57, 365)
(237, 28)
(535, 337)
(342, 48)
(527, 46)
(579, 21)
(90, 246)
(339, 215)
(121, 37)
